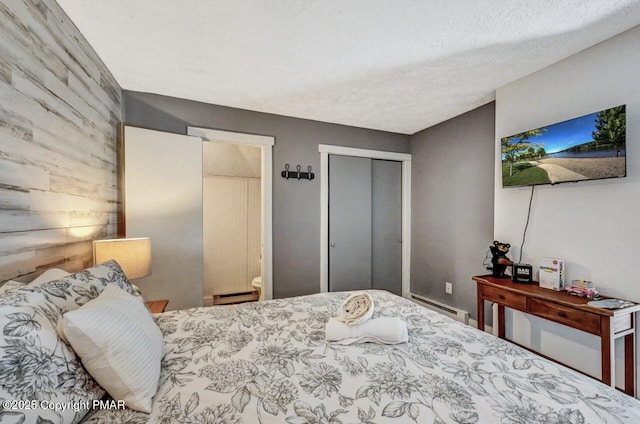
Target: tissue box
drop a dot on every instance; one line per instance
(552, 273)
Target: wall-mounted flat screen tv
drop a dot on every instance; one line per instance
(590, 147)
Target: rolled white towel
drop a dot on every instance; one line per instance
(356, 309)
(382, 330)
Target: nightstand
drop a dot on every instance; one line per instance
(157, 306)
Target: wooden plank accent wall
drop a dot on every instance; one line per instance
(60, 123)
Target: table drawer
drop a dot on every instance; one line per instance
(621, 323)
(581, 320)
(504, 297)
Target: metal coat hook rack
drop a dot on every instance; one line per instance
(297, 174)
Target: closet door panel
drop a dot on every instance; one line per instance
(349, 223)
(386, 218)
(225, 235)
(163, 200)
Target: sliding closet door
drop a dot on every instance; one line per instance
(163, 200)
(365, 224)
(349, 223)
(386, 229)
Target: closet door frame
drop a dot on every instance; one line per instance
(326, 150)
(265, 143)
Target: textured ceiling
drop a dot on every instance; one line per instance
(393, 65)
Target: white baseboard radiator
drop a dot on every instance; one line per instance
(434, 305)
(230, 298)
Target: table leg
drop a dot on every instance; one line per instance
(608, 352)
(630, 373)
(480, 311)
(501, 330)
(629, 364)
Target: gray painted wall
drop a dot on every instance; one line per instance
(452, 205)
(60, 110)
(296, 204)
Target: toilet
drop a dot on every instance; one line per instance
(256, 283)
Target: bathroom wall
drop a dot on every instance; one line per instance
(231, 218)
(230, 160)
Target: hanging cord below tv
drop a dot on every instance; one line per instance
(524, 234)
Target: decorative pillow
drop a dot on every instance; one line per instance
(36, 365)
(71, 292)
(49, 275)
(10, 285)
(119, 344)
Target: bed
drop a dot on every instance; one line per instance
(269, 362)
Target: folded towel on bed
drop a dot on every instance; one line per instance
(356, 309)
(382, 330)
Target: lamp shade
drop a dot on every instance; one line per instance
(133, 255)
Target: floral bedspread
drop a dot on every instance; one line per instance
(268, 362)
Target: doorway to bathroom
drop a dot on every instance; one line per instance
(231, 222)
(236, 194)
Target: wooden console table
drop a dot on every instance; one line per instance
(573, 311)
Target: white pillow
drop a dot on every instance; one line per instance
(10, 285)
(119, 344)
(49, 275)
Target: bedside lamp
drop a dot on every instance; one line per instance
(133, 255)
